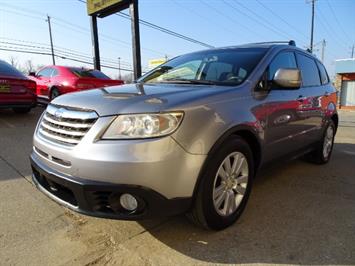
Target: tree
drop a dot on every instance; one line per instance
(14, 62)
(29, 67)
(127, 78)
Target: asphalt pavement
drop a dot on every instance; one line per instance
(298, 213)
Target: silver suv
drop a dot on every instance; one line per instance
(189, 136)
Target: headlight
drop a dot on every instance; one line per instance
(143, 125)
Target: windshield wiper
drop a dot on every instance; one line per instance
(189, 81)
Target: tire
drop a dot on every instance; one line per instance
(208, 210)
(54, 93)
(21, 110)
(324, 148)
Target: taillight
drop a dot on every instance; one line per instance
(85, 86)
(31, 85)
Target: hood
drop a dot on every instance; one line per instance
(137, 98)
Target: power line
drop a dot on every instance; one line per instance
(328, 28)
(282, 19)
(61, 50)
(245, 27)
(13, 49)
(59, 53)
(202, 17)
(337, 21)
(73, 27)
(261, 21)
(162, 29)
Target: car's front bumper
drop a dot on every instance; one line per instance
(101, 199)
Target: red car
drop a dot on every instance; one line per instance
(53, 81)
(16, 91)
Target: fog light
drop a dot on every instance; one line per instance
(128, 202)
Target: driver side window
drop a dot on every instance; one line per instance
(282, 60)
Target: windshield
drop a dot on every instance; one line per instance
(227, 67)
(86, 73)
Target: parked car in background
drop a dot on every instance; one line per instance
(16, 91)
(189, 136)
(53, 81)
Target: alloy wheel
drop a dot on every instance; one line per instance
(328, 141)
(230, 183)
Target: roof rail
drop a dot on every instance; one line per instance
(290, 42)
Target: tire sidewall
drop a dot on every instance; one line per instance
(54, 90)
(213, 219)
(326, 159)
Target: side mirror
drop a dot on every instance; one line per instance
(287, 78)
(33, 74)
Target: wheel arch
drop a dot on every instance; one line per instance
(335, 119)
(248, 134)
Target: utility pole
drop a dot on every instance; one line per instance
(136, 46)
(323, 49)
(312, 26)
(119, 68)
(352, 51)
(50, 37)
(95, 42)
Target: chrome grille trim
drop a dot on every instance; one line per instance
(61, 131)
(66, 126)
(76, 125)
(71, 114)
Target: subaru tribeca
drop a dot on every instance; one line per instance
(189, 136)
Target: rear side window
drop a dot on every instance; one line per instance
(8, 70)
(86, 73)
(45, 72)
(55, 72)
(309, 71)
(323, 73)
(282, 60)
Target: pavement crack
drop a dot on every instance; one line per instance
(15, 169)
(148, 229)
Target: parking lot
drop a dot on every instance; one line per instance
(298, 213)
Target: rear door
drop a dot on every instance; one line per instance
(311, 98)
(43, 79)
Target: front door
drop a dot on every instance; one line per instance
(283, 125)
(43, 79)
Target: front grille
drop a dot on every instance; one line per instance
(66, 126)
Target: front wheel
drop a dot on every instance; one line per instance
(225, 187)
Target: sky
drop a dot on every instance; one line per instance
(215, 22)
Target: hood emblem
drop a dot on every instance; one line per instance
(59, 113)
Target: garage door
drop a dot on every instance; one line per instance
(348, 93)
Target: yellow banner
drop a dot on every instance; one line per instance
(156, 62)
(94, 6)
